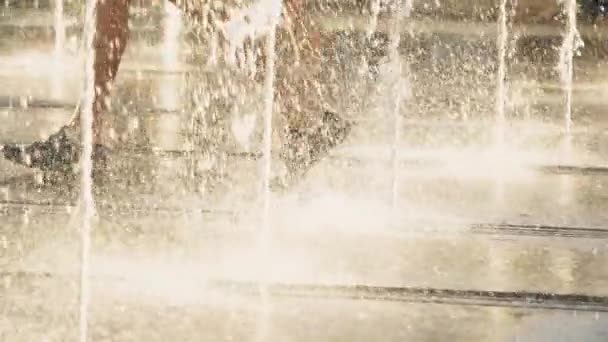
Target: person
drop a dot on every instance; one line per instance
(547, 11)
(311, 131)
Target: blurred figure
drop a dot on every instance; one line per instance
(548, 10)
(311, 130)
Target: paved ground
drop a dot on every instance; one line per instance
(165, 227)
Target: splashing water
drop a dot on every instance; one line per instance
(59, 48)
(501, 43)
(275, 10)
(87, 202)
(571, 43)
(373, 20)
(59, 28)
(242, 128)
(260, 19)
(168, 91)
(257, 20)
(499, 132)
(172, 27)
(402, 10)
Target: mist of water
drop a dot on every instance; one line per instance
(169, 96)
(87, 203)
(501, 44)
(373, 20)
(273, 13)
(59, 48)
(402, 9)
(571, 43)
(260, 19)
(500, 101)
(59, 28)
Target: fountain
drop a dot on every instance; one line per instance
(169, 88)
(503, 35)
(274, 11)
(566, 60)
(374, 10)
(87, 202)
(259, 20)
(59, 48)
(499, 130)
(401, 10)
(59, 28)
(328, 262)
(571, 43)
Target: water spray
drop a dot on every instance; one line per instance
(374, 13)
(501, 44)
(402, 9)
(87, 203)
(59, 28)
(571, 43)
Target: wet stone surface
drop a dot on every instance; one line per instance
(179, 204)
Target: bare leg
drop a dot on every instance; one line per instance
(110, 43)
(60, 150)
(311, 129)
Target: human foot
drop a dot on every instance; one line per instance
(59, 152)
(307, 146)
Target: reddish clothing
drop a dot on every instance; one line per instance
(113, 32)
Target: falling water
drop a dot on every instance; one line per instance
(87, 203)
(260, 18)
(274, 14)
(501, 44)
(172, 27)
(275, 11)
(570, 44)
(59, 27)
(497, 266)
(213, 43)
(168, 90)
(499, 132)
(373, 20)
(401, 10)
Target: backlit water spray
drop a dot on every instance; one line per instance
(402, 9)
(501, 73)
(275, 12)
(498, 268)
(261, 19)
(501, 45)
(59, 48)
(87, 204)
(59, 28)
(169, 88)
(374, 8)
(571, 43)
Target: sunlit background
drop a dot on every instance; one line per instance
(454, 178)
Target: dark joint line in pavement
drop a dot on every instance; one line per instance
(552, 169)
(493, 229)
(527, 300)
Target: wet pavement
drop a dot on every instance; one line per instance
(175, 214)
